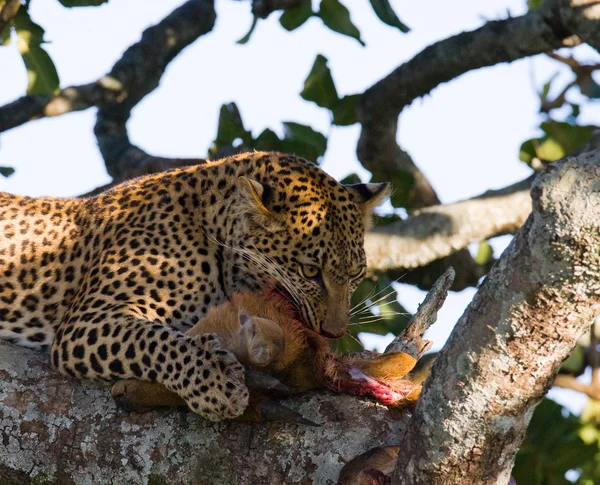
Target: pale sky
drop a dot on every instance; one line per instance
(465, 136)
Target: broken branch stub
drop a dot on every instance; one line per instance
(410, 340)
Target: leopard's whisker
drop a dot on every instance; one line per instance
(370, 295)
(373, 303)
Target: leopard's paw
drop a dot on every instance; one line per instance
(214, 387)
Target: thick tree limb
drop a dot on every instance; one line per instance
(497, 41)
(502, 356)
(57, 431)
(436, 232)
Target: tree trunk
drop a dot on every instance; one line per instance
(505, 351)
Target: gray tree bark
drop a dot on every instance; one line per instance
(55, 430)
(505, 351)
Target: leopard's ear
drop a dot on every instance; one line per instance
(369, 196)
(256, 198)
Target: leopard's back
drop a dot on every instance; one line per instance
(40, 266)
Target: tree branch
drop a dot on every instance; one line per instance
(505, 351)
(436, 232)
(137, 73)
(497, 41)
(580, 17)
(55, 428)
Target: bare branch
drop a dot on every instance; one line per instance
(74, 98)
(502, 356)
(566, 381)
(436, 232)
(410, 340)
(497, 41)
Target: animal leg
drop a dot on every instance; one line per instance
(381, 377)
(198, 369)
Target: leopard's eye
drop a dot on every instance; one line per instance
(310, 272)
(356, 273)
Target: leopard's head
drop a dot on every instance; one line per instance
(305, 237)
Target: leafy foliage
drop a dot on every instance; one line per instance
(298, 139)
(386, 14)
(557, 441)
(337, 17)
(6, 171)
(560, 139)
(484, 253)
(42, 75)
(531, 4)
(246, 38)
(320, 89)
(554, 445)
(295, 17)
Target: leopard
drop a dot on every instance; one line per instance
(109, 285)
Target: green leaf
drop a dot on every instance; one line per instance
(318, 86)
(531, 4)
(5, 35)
(303, 141)
(569, 137)
(484, 254)
(6, 171)
(575, 363)
(345, 110)
(231, 125)
(547, 86)
(337, 18)
(230, 128)
(81, 3)
(386, 14)
(350, 179)
(43, 78)
(246, 38)
(575, 111)
(560, 139)
(267, 141)
(552, 447)
(294, 17)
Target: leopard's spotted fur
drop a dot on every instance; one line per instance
(110, 283)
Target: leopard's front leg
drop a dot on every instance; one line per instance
(199, 369)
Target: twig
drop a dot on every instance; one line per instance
(566, 381)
